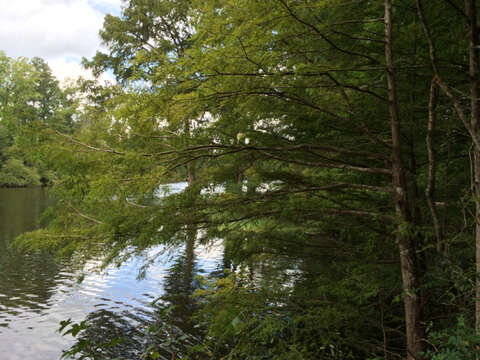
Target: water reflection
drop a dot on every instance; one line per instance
(164, 325)
(20, 211)
(26, 282)
(36, 293)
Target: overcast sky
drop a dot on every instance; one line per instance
(59, 31)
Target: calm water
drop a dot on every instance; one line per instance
(36, 292)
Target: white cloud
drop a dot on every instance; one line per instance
(59, 31)
(49, 28)
(65, 70)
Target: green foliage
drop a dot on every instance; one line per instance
(458, 343)
(275, 113)
(286, 314)
(28, 94)
(86, 348)
(14, 173)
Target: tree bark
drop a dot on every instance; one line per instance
(432, 162)
(410, 269)
(470, 11)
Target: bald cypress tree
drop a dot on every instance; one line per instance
(308, 133)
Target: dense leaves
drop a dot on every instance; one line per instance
(29, 94)
(333, 162)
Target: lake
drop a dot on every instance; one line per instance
(37, 292)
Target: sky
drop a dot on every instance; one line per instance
(59, 31)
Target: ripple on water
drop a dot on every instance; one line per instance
(37, 292)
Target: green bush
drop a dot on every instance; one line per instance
(458, 343)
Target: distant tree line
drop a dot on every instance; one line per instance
(28, 92)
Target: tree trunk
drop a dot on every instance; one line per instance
(432, 163)
(470, 11)
(411, 272)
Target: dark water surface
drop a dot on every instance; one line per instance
(37, 292)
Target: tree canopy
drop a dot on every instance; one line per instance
(28, 93)
(331, 145)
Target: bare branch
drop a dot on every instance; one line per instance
(330, 165)
(90, 147)
(85, 216)
(363, 21)
(434, 63)
(330, 42)
(131, 203)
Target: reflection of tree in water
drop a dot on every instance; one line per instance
(108, 335)
(20, 211)
(179, 286)
(168, 330)
(173, 325)
(26, 280)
